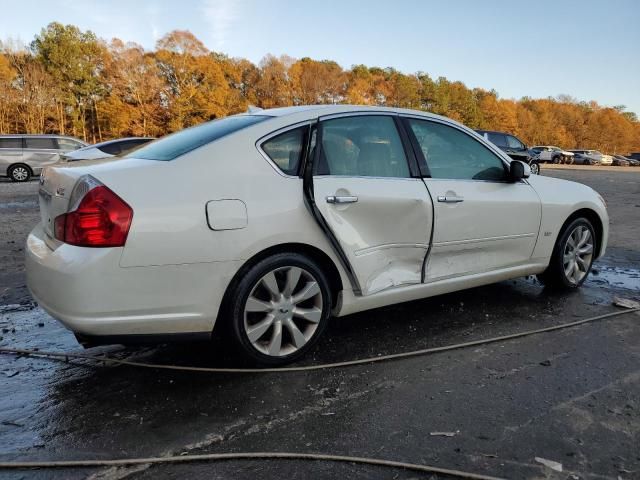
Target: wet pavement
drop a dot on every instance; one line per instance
(572, 396)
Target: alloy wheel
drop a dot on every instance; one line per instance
(535, 168)
(283, 311)
(19, 174)
(577, 254)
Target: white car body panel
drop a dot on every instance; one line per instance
(176, 265)
(500, 220)
(382, 257)
(87, 153)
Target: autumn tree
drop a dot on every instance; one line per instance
(74, 59)
(196, 89)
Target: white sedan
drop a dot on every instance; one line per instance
(268, 223)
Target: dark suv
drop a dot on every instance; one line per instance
(513, 147)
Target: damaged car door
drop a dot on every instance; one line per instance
(380, 215)
(484, 221)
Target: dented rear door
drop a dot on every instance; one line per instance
(378, 213)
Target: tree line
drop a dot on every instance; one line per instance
(69, 81)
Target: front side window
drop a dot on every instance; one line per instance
(452, 154)
(184, 141)
(286, 149)
(40, 143)
(13, 143)
(363, 146)
(513, 142)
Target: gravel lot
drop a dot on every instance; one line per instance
(572, 396)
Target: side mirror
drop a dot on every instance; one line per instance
(519, 170)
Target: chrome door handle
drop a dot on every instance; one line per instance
(341, 199)
(450, 199)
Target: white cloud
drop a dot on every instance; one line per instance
(221, 16)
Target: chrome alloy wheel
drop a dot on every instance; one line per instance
(577, 254)
(535, 168)
(283, 311)
(20, 174)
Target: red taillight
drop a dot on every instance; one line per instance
(102, 219)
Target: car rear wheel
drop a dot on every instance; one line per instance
(19, 173)
(556, 160)
(572, 257)
(281, 307)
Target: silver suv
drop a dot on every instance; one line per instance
(22, 156)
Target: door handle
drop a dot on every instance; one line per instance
(450, 199)
(341, 199)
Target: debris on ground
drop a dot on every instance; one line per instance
(545, 363)
(444, 434)
(557, 466)
(625, 302)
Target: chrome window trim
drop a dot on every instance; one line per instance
(275, 133)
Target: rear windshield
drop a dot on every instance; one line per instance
(179, 143)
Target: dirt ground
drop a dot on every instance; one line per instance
(572, 396)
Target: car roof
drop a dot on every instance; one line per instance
(320, 110)
(46, 135)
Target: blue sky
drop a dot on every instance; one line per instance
(587, 49)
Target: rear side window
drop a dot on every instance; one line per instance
(286, 149)
(10, 143)
(42, 143)
(366, 146)
(111, 148)
(498, 139)
(179, 143)
(129, 145)
(66, 144)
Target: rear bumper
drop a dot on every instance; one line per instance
(88, 292)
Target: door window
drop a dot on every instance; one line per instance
(13, 143)
(498, 139)
(452, 154)
(66, 144)
(363, 146)
(513, 142)
(113, 148)
(285, 150)
(41, 143)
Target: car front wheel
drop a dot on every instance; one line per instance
(535, 168)
(281, 307)
(572, 256)
(19, 173)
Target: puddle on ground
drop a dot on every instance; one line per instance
(628, 278)
(25, 204)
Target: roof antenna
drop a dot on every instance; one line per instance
(254, 109)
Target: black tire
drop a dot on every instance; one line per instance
(252, 280)
(555, 276)
(19, 173)
(556, 160)
(586, 162)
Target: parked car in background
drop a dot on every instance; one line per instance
(513, 147)
(374, 206)
(634, 156)
(551, 154)
(107, 149)
(591, 157)
(22, 156)
(621, 161)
